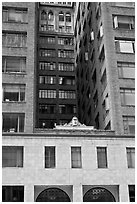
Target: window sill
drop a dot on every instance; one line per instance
(20, 102)
(15, 73)
(15, 22)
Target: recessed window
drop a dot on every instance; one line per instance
(47, 79)
(47, 93)
(47, 53)
(127, 97)
(12, 156)
(61, 16)
(129, 124)
(14, 15)
(66, 80)
(102, 157)
(50, 157)
(68, 17)
(47, 123)
(124, 22)
(126, 70)
(50, 16)
(47, 109)
(43, 15)
(13, 122)
(66, 67)
(13, 64)
(125, 46)
(13, 93)
(14, 39)
(131, 189)
(76, 157)
(67, 109)
(67, 94)
(130, 157)
(47, 66)
(12, 193)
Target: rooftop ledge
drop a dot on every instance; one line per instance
(72, 129)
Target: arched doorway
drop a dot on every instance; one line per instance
(98, 194)
(53, 195)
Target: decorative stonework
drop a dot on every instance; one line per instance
(74, 123)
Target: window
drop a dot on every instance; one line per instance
(95, 100)
(66, 53)
(68, 29)
(47, 53)
(13, 64)
(129, 124)
(100, 32)
(76, 157)
(67, 94)
(13, 122)
(47, 66)
(47, 109)
(50, 157)
(124, 22)
(67, 109)
(125, 46)
(12, 92)
(127, 97)
(47, 79)
(47, 123)
(102, 157)
(61, 16)
(68, 17)
(12, 193)
(66, 67)
(14, 39)
(66, 80)
(50, 16)
(61, 29)
(43, 15)
(126, 70)
(102, 55)
(130, 157)
(131, 189)
(14, 15)
(47, 40)
(47, 93)
(65, 41)
(12, 156)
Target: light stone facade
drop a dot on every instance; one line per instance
(75, 182)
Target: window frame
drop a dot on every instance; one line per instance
(76, 163)
(51, 163)
(100, 164)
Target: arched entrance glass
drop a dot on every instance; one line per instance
(98, 194)
(53, 195)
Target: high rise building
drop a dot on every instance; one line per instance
(56, 95)
(105, 65)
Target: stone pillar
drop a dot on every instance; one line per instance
(29, 193)
(77, 193)
(123, 193)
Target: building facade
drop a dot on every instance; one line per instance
(45, 158)
(105, 65)
(56, 95)
(72, 163)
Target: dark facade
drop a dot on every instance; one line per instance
(56, 96)
(105, 65)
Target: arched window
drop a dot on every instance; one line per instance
(98, 194)
(68, 17)
(61, 16)
(43, 15)
(53, 195)
(50, 16)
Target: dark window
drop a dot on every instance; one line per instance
(13, 64)
(68, 17)
(47, 108)
(131, 157)
(13, 122)
(12, 193)
(50, 157)
(61, 16)
(76, 157)
(129, 124)
(131, 193)
(12, 156)
(102, 157)
(47, 123)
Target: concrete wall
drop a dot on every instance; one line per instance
(33, 174)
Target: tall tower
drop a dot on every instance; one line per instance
(105, 65)
(56, 96)
(18, 66)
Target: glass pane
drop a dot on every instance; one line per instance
(126, 47)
